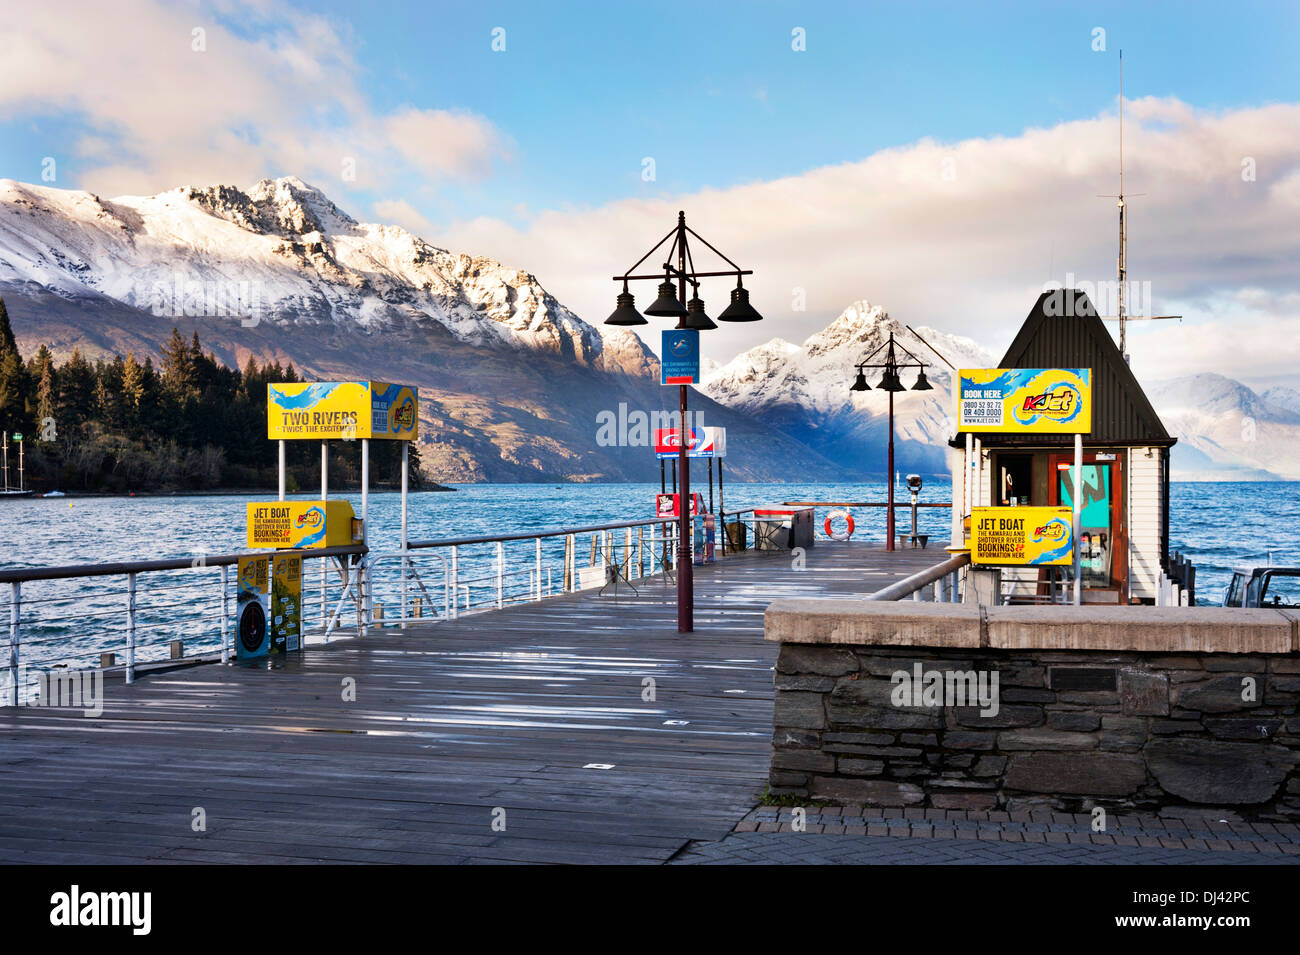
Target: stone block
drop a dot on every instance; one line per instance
(853, 766)
(1006, 716)
(866, 792)
(969, 740)
(1127, 733)
(821, 661)
(799, 710)
(1045, 739)
(804, 681)
(1142, 693)
(1073, 721)
(1219, 773)
(1222, 694)
(1261, 728)
(1083, 774)
(805, 760)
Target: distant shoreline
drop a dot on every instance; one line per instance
(237, 492)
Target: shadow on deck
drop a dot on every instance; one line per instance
(519, 710)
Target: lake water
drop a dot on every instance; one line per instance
(1218, 525)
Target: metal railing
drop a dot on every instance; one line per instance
(944, 581)
(45, 620)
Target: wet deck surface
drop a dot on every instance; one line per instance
(501, 716)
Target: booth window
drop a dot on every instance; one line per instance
(1014, 474)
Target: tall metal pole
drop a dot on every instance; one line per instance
(1078, 518)
(685, 576)
(889, 518)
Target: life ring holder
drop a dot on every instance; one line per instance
(848, 518)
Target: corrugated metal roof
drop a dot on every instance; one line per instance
(1064, 331)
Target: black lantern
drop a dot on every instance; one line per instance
(740, 310)
(889, 381)
(625, 312)
(860, 383)
(922, 383)
(666, 305)
(695, 317)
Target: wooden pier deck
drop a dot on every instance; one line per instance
(510, 710)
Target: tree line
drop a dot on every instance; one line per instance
(190, 423)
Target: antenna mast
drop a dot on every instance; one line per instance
(1123, 225)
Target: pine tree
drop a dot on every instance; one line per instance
(178, 366)
(47, 395)
(13, 378)
(132, 385)
(76, 393)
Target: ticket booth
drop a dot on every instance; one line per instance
(1124, 524)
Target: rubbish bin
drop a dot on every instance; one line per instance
(783, 528)
(737, 535)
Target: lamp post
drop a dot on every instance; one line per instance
(889, 382)
(672, 303)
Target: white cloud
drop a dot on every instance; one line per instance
(278, 95)
(401, 212)
(969, 252)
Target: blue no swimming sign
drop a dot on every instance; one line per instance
(679, 362)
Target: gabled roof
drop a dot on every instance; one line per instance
(1063, 330)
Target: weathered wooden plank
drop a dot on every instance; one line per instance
(452, 721)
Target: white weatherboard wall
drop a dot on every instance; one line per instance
(1145, 486)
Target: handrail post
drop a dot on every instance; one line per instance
(501, 557)
(225, 611)
(538, 565)
(568, 563)
(455, 579)
(15, 603)
(130, 628)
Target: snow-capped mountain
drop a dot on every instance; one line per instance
(513, 385)
(804, 389)
(1227, 431)
(283, 253)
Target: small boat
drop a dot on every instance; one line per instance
(1263, 587)
(54, 494)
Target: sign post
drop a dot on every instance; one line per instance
(1025, 401)
(679, 364)
(347, 410)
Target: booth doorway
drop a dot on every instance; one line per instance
(1103, 534)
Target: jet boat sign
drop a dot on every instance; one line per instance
(1025, 400)
(1035, 536)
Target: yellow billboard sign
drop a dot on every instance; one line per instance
(321, 410)
(1038, 536)
(301, 524)
(1025, 400)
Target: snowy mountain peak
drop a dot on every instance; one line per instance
(287, 206)
(293, 258)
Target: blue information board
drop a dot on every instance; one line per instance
(679, 362)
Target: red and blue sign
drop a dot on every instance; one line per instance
(705, 443)
(679, 357)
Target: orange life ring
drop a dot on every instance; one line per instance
(831, 516)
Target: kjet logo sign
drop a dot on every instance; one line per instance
(77, 908)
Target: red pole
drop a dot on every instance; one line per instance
(889, 520)
(685, 569)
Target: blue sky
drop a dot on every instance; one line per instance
(819, 168)
(714, 92)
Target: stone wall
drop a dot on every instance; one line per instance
(1073, 729)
